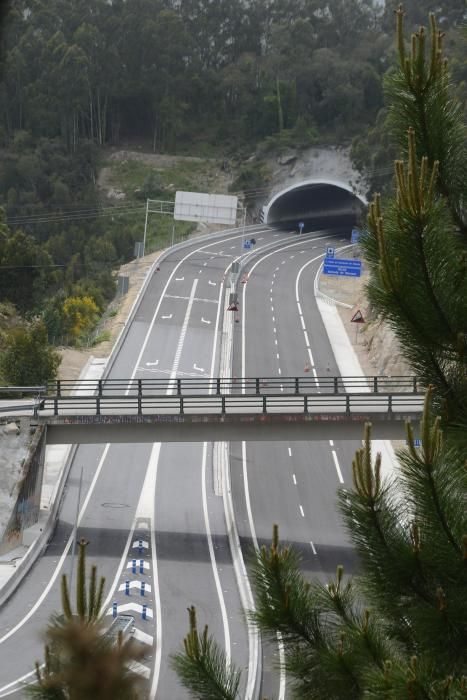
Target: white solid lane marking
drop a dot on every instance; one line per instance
(294, 480)
(61, 561)
(212, 556)
(301, 511)
(203, 320)
(338, 469)
(299, 308)
(313, 547)
(290, 451)
(181, 340)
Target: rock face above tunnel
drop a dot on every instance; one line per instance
(317, 184)
(315, 163)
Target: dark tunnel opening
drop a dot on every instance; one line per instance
(318, 206)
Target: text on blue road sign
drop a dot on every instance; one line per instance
(342, 267)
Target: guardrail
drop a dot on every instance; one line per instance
(245, 385)
(232, 403)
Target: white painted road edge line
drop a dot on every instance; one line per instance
(53, 578)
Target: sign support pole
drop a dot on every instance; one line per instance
(145, 227)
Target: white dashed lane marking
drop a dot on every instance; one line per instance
(301, 511)
(294, 479)
(290, 451)
(338, 469)
(312, 547)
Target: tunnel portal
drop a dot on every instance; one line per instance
(317, 203)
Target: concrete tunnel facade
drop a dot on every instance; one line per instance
(323, 203)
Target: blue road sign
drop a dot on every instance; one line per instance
(342, 267)
(355, 237)
(330, 252)
(246, 245)
(301, 225)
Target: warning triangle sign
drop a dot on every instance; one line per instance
(358, 317)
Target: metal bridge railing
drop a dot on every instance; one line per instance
(233, 403)
(258, 386)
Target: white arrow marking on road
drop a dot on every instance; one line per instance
(131, 607)
(199, 369)
(169, 316)
(139, 669)
(203, 320)
(179, 279)
(136, 584)
(213, 284)
(145, 564)
(143, 637)
(152, 364)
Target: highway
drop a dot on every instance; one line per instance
(164, 494)
(292, 484)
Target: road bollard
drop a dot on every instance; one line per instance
(114, 609)
(127, 588)
(142, 587)
(140, 546)
(144, 612)
(141, 566)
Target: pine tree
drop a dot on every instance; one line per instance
(79, 661)
(399, 631)
(417, 243)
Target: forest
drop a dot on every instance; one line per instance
(220, 78)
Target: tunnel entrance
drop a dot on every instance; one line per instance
(319, 204)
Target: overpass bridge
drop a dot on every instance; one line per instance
(199, 409)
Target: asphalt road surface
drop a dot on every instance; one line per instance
(156, 504)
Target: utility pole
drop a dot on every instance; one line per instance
(145, 227)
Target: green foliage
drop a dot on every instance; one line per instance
(102, 338)
(417, 250)
(80, 315)
(80, 661)
(27, 358)
(255, 176)
(202, 668)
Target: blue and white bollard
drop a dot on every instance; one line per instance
(140, 546)
(114, 609)
(127, 588)
(141, 566)
(144, 613)
(133, 566)
(142, 587)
